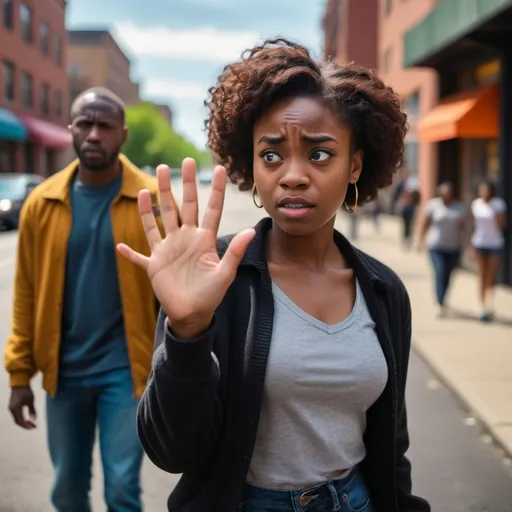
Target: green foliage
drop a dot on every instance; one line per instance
(151, 141)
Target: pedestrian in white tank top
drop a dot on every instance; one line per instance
(489, 213)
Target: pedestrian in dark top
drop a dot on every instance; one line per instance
(279, 374)
(73, 313)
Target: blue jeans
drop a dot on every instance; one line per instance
(72, 416)
(348, 494)
(444, 263)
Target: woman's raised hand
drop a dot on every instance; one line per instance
(187, 276)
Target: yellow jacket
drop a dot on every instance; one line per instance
(44, 229)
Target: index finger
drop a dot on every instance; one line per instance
(213, 211)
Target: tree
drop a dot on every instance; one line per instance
(152, 141)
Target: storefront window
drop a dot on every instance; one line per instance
(484, 74)
(7, 149)
(482, 163)
(29, 159)
(493, 160)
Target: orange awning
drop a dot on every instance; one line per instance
(468, 116)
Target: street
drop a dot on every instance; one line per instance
(454, 466)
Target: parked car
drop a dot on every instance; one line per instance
(205, 176)
(14, 189)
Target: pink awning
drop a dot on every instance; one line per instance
(45, 133)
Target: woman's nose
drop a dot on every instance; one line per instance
(295, 176)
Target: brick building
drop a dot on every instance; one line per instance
(371, 32)
(350, 31)
(34, 86)
(95, 59)
(165, 112)
(417, 87)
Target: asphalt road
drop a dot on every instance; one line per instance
(454, 465)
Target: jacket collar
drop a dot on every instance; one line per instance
(132, 181)
(362, 264)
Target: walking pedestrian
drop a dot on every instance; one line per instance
(443, 226)
(489, 214)
(279, 378)
(83, 316)
(406, 200)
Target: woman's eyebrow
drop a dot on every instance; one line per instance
(268, 139)
(315, 139)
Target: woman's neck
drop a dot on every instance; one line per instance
(316, 251)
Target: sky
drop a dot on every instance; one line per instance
(179, 47)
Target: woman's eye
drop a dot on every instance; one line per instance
(320, 155)
(271, 157)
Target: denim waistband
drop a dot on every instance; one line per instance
(346, 494)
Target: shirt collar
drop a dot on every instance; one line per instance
(132, 181)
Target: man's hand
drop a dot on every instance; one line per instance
(22, 397)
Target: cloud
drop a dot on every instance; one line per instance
(204, 43)
(174, 89)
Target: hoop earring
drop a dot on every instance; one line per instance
(352, 209)
(254, 194)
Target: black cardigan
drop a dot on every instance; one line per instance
(202, 422)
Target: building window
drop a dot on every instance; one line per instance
(57, 102)
(7, 156)
(45, 99)
(411, 157)
(57, 49)
(9, 90)
(27, 90)
(412, 104)
(8, 13)
(75, 70)
(26, 23)
(44, 38)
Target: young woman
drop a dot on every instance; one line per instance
(443, 226)
(279, 378)
(489, 213)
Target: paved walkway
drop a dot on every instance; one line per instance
(473, 359)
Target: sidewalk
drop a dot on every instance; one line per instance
(474, 360)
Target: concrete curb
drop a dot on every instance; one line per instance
(466, 398)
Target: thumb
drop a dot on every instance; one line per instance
(235, 252)
(32, 410)
(138, 259)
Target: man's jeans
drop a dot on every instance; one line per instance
(72, 417)
(444, 263)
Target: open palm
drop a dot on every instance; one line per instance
(187, 276)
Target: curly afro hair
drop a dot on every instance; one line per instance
(280, 69)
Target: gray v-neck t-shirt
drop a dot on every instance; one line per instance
(320, 381)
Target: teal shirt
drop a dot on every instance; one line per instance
(93, 338)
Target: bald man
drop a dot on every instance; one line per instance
(82, 316)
